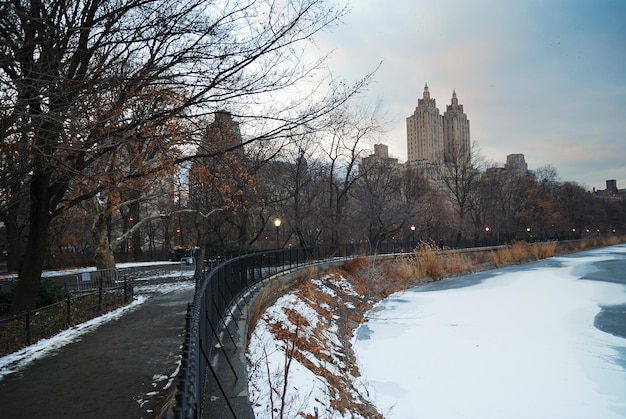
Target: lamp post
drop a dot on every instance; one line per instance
(412, 234)
(277, 223)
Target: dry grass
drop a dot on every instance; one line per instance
(270, 292)
(546, 249)
(428, 260)
(521, 252)
(457, 264)
(373, 279)
(590, 243)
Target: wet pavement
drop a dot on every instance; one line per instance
(123, 369)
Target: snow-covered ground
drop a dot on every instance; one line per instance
(298, 365)
(519, 343)
(45, 347)
(516, 342)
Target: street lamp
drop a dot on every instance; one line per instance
(412, 234)
(277, 223)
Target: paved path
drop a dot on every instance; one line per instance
(119, 371)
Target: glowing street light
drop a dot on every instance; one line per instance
(277, 223)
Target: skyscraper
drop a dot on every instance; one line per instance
(435, 138)
(456, 133)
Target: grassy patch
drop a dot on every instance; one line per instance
(20, 331)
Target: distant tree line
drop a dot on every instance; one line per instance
(114, 144)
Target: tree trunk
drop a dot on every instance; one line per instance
(36, 245)
(100, 234)
(13, 242)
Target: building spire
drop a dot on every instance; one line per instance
(455, 101)
(426, 92)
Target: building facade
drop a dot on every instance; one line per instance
(435, 138)
(456, 132)
(516, 162)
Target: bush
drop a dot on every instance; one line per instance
(5, 300)
(354, 265)
(50, 292)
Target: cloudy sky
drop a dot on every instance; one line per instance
(542, 78)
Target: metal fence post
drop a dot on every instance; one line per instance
(27, 318)
(69, 309)
(99, 292)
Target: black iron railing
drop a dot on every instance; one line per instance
(217, 296)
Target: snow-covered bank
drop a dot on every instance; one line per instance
(531, 337)
(519, 344)
(299, 357)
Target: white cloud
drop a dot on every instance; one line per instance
(529, 74)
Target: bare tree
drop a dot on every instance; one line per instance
(380, 210)
(59, 58)
(460, 176)
(348, 131)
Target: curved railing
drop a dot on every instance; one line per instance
(221, 287)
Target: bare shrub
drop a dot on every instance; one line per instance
(356, 264)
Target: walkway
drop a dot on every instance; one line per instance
(119, 371)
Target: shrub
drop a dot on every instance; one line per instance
(355, 264)
(50, 292)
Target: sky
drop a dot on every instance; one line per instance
(546, 79)
(518, 342)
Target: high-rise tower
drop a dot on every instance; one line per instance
(456, 133)
(435, 138)
(425, 131)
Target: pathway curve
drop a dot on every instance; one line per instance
(120, 371)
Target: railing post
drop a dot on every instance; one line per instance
(99, 292)
(27, 318)
(69, 308)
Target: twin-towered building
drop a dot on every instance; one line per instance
(434, 138)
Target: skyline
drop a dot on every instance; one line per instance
(547, 80)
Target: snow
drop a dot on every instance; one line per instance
(305, 386)
(519, 344)
(64, 272)
(18, 360)
(516, 342)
